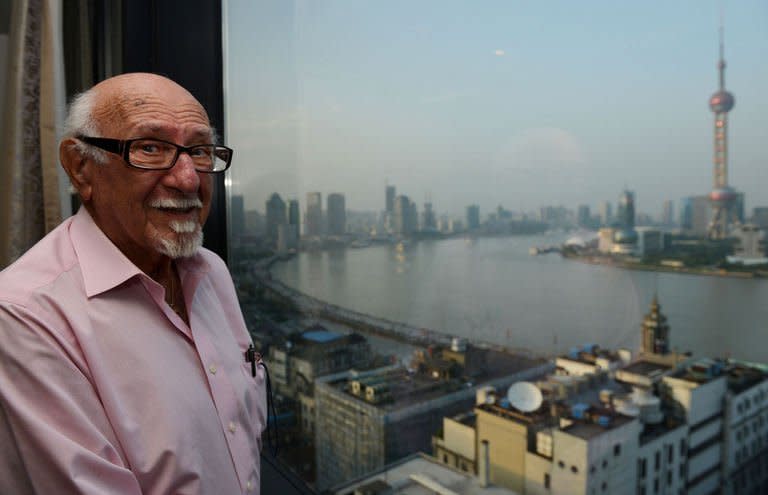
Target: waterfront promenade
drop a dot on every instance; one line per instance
(382, 327)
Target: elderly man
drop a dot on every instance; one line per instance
(122, 345)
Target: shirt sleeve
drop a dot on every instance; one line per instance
(54, 433)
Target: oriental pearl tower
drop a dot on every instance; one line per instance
(722, 196)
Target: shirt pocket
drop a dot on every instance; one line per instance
(255, 396)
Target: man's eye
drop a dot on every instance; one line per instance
(200, 152)
(150, 148)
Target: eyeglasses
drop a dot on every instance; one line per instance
(156, 154)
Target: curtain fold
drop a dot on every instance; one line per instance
(30, 185)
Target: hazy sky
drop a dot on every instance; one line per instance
(519, 103)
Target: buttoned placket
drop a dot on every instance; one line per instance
(221, 387)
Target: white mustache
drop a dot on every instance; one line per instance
(181, 203)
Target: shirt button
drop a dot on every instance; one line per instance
(232, 427)
(249, 486)
(212, 369)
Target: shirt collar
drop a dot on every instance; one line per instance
(102, 264)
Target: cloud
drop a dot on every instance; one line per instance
(499, 53)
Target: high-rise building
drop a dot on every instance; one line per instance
(473, 217)
(760, 217)
(313, 217)
(275, 216)
(668, 213)
(583, 216)
(556, 216)
(625, 217)
(293, 213)
(694, 215)
(337, 214)
(606, 213)
(368, 419)
(722, 197)
(650, 240)
(390, 199)
(298, 359)
(738, 208)
(429, 220)
(404, 216)
(254, 223)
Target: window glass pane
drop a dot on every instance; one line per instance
(420, 189)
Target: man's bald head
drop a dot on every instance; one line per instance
(150, 215)
(106, 106)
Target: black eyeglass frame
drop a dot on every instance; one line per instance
(122, 148)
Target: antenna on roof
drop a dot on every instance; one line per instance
(525, 396)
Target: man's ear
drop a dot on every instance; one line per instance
(78, 168)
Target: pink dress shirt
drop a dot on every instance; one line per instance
(105, 390)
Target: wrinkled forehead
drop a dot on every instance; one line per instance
(160, 113)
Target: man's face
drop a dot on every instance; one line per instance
(150, 214)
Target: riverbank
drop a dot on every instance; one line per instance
(594, 259)
(367, 324)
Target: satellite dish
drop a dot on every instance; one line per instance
(525, 396)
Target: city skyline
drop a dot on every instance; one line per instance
(521, 105)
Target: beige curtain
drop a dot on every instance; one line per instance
(30, 184)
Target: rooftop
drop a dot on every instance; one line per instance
(647, 368)
(398, 387)
(419, 474)
(590, 353)
(467, 418)
(653, 431)
(701, 371)
(320, 335)
(742, 376)
(588, 429)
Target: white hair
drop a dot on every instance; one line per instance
(81, 122)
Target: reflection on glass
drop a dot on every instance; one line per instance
(434, 201)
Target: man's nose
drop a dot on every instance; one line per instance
(183, 175)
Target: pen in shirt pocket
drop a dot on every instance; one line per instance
(251, 356)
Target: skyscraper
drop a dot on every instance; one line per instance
(275, 216)
(760, 217)
(626, 213)
(293, 212)
(583, 216)
(291, 236)
(429, 221)
(313, 218)
(694, 215)
(337, 214)
(606, 213)
(390, 199)
(473, 217)
(668, 213)
(722, 196)
(404, 216)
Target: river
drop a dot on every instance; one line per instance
(491, 289)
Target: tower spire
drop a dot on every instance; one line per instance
(723, 197)
(721, 62)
